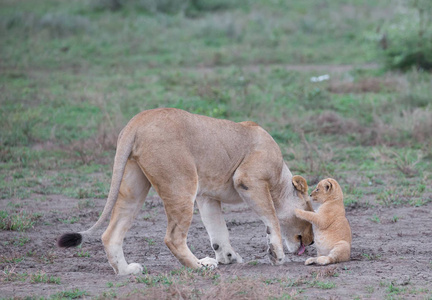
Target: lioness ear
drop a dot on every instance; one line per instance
(300, 184)
(328, 185)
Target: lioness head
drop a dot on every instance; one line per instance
(297, 232)
(327, 189)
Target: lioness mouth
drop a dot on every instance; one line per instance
(302, 248)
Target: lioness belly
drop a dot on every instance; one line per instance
(225, 193)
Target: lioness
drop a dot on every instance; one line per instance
(332, 232)
(188, 157)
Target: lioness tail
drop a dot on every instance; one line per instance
(124, 149)
(68, 240)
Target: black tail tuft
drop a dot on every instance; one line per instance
(68, 240)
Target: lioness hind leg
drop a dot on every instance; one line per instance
(133, 191)
(179, 212)
(214, 222)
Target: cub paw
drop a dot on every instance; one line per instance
(208, 262)
(323, 260)
(132, 268)
(310, 261)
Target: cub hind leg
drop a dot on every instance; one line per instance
(133, 191)
(341, 252)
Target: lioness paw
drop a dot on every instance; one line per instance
(228, 258)
(276, 256)
(132, 268)
(208, 262)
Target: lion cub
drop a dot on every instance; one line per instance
(332, 232)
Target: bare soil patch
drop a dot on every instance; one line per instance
(391, 255)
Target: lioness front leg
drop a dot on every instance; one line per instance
(214, 222)
(256, 194)
(133, 191)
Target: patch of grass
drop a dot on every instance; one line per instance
(71, 294)
(325, 285)
(375, 219)
(369, 256)
(109, 294)
(83, 254)
(150, 241)
(393, 289)
(71, 220)
(154, 280)
(21, 240)
(20, 221)
(44, 278)
(9, 274)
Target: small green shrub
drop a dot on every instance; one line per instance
(408, 41)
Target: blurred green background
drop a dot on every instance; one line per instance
(72, 73)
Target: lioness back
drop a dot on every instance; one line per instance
(216, 147)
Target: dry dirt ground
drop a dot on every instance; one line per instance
(391, 258)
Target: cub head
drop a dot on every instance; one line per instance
(326, 189)
(300, 232)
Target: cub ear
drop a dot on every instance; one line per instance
(300, 184)
(328, 185)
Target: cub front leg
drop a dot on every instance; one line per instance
(214, 222)
(311, 217)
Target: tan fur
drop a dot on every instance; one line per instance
(332, 232)
(188, 158)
